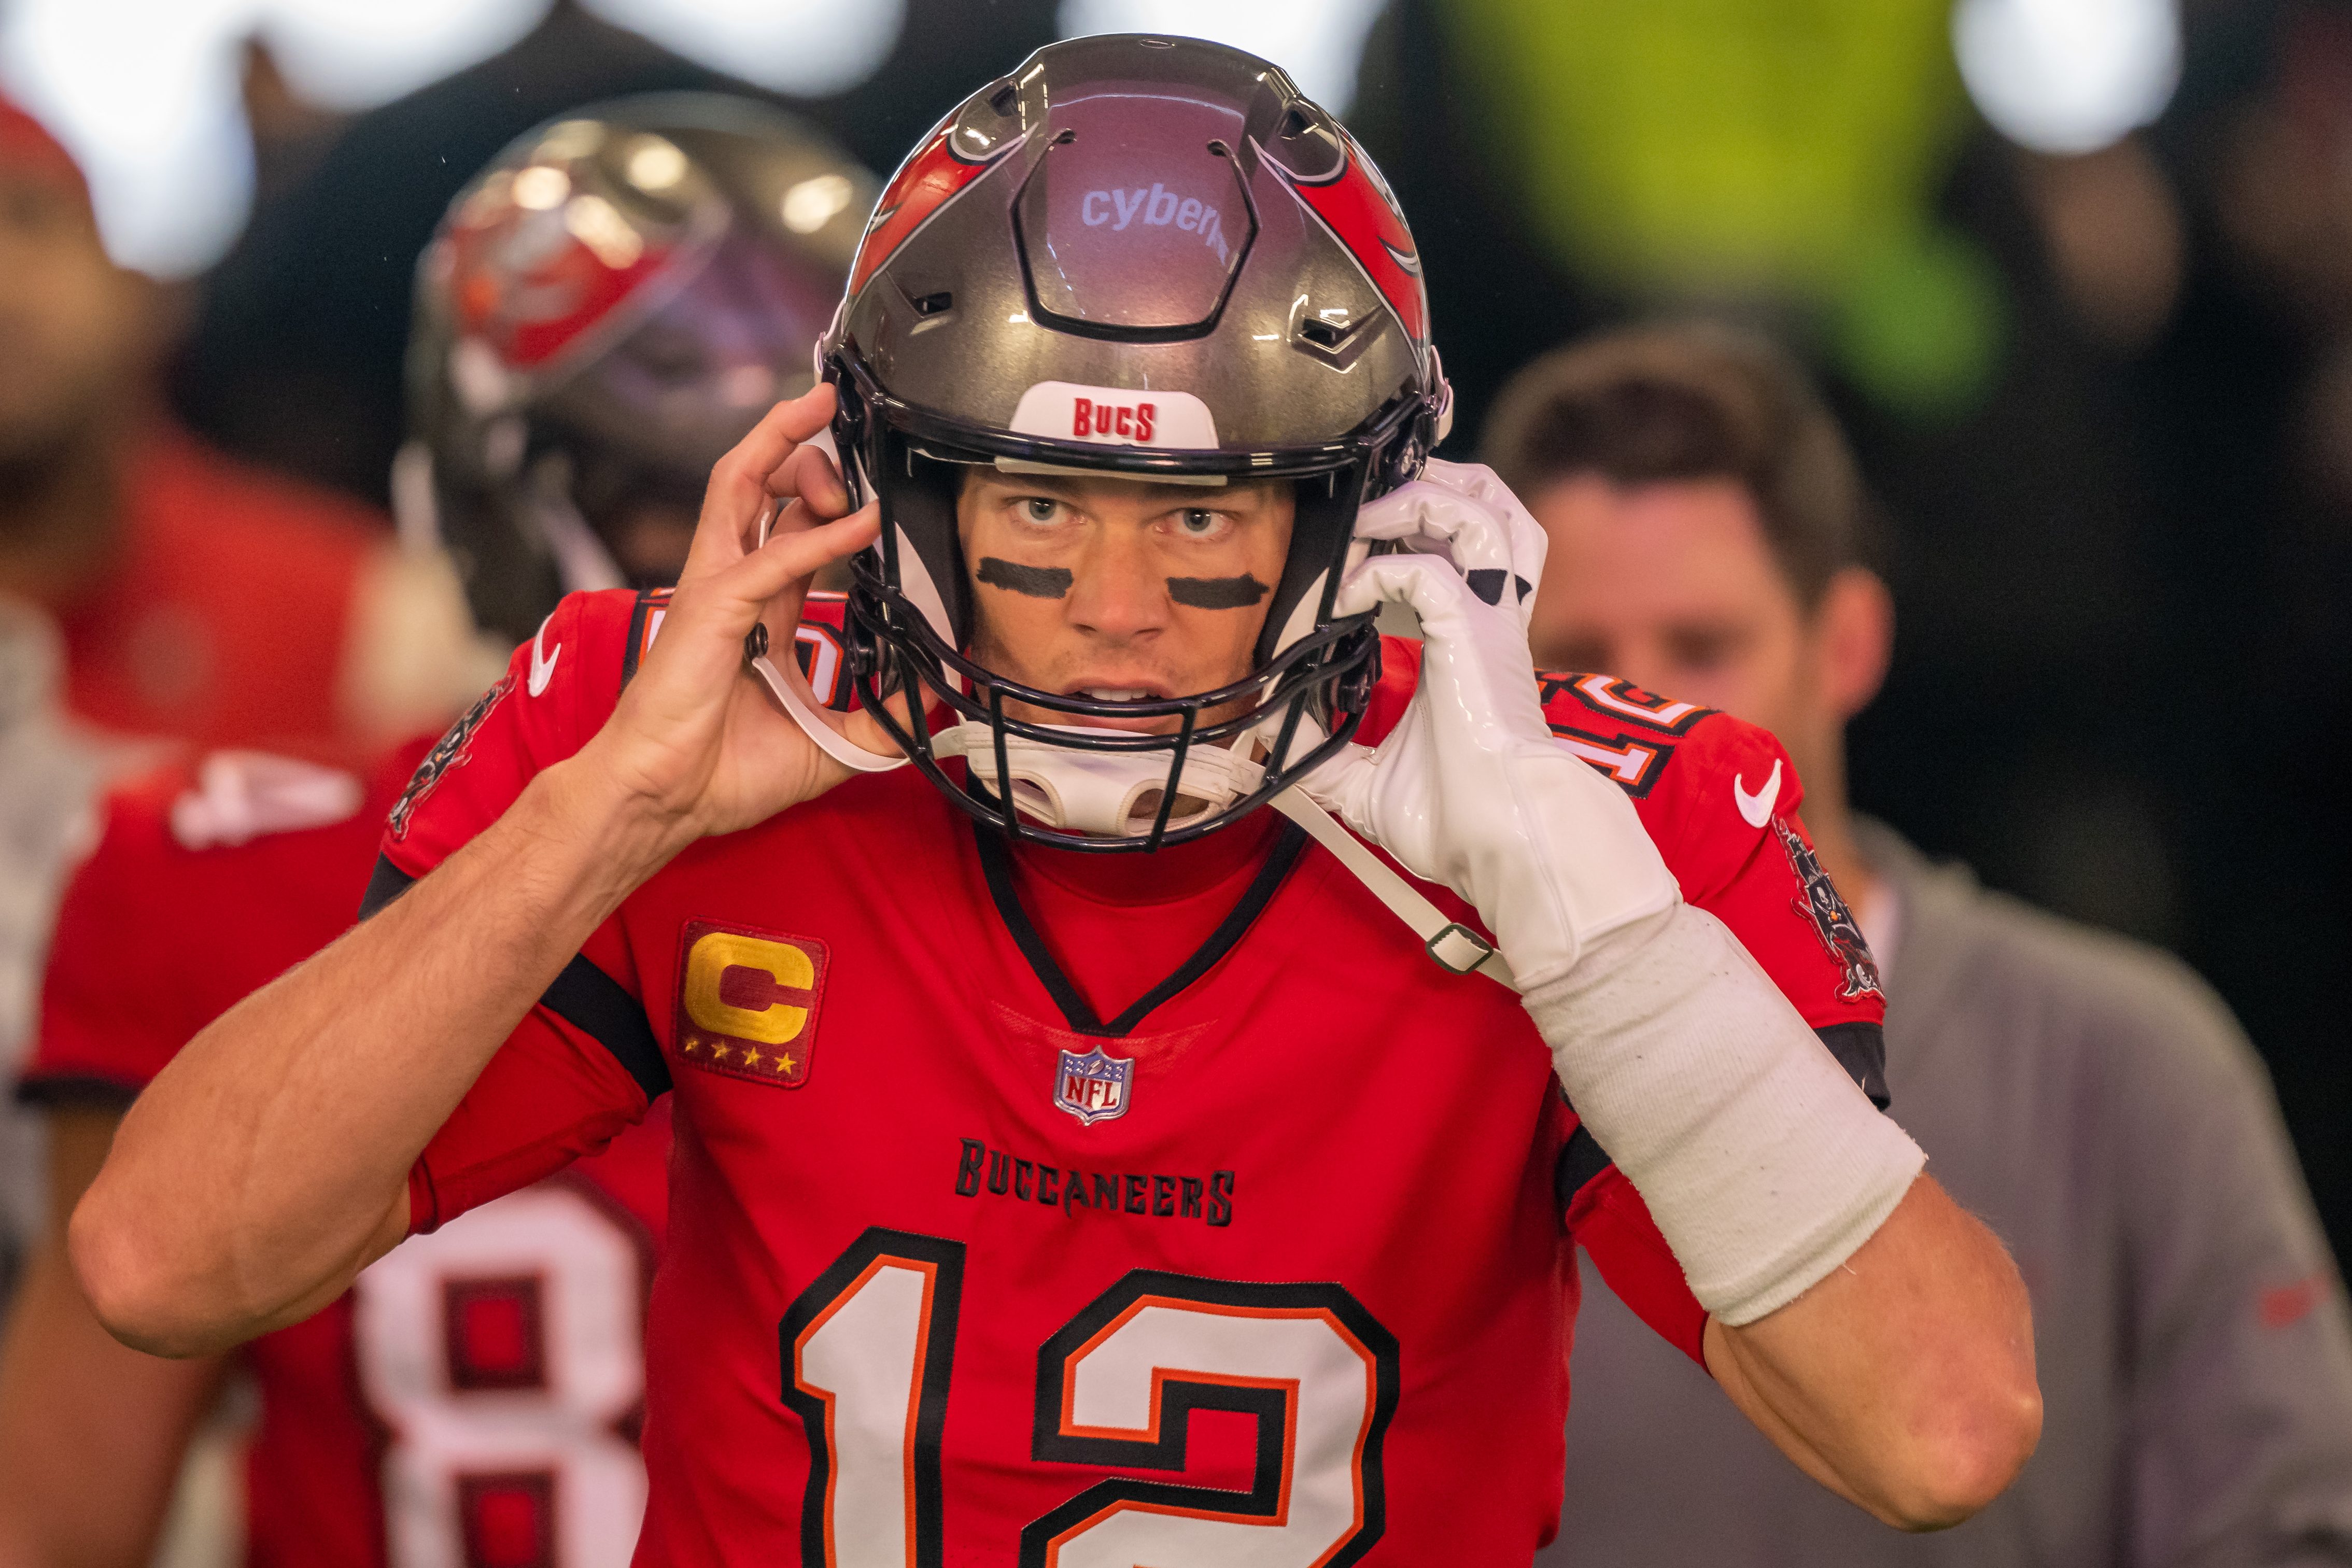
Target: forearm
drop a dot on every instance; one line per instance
(268, 1162)
(1877, 1333)
(1903, 1379)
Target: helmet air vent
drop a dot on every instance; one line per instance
(1334, 334)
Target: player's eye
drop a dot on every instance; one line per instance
(1041, 510)
(1200, 523)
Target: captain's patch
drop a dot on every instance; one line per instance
(746, 1002)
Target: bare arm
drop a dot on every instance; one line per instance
(1903, 1380)
(91, 1434)
(268, 1164)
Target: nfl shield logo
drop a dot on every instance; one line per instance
(1094, 1087)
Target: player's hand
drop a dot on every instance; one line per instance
(1464, 512)
(1470, 790)
(696, 742)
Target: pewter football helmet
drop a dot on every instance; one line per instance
(1150, 257)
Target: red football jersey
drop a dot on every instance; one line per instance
(474, 1400)
(1272, 1268)
(224, 617)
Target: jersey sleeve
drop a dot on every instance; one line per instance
(557, 691)
(583, 1062)
(118, 998)
(1720, 799)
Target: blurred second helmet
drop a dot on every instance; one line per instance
(604, 311)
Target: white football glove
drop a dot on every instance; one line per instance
(1462, 512)
(1470, 790)
(1761, 1161)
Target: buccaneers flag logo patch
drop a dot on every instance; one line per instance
(746, 1002)
(1833, 923)
(447, 752)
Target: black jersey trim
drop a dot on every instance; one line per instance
(1861, 1050)
(1582, 1160)
(583, 995)
(996, 862)
(386, 883)
(589, 999)
(648, 600)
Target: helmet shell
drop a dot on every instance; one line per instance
(1152, 216)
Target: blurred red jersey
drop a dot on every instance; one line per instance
(1273, 1267)
(474, 1398)
(224, 618)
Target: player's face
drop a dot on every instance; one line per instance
(70, 321)
(1117, 589)
(1673, 586)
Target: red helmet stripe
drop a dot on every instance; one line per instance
(1367, 221)
(923, 182)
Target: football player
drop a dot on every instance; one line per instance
(475, 1401)
(1076, 1162)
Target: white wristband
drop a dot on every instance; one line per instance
(1764, 1165)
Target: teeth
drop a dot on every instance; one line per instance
(1114, 694)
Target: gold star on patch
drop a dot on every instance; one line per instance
(721, 1051)
(691, 1041)
(750, 1057)
(784, 1062)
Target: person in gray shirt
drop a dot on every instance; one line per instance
(2089, 1097)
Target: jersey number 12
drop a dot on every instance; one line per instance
(869, 1348)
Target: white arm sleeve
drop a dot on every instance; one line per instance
(1764, 1165)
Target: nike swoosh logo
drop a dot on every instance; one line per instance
(1755, 808)
(542, 665)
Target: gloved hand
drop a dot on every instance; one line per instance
(1761, 1161)
(1470, 790)
(1464, 512)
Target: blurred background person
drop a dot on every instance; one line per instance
(601, 317)
(151, 588)
(605, 310)
(2068, 271)
(2089, 1097)
(47, 775)
(198, 598)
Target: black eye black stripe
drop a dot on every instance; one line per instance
(1217, 592)
(1036, 581)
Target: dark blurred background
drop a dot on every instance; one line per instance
(2077, 272)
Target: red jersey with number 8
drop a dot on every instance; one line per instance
(1031, 1208)
(474, 1400)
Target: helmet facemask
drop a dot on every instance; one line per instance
(1077, 784)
